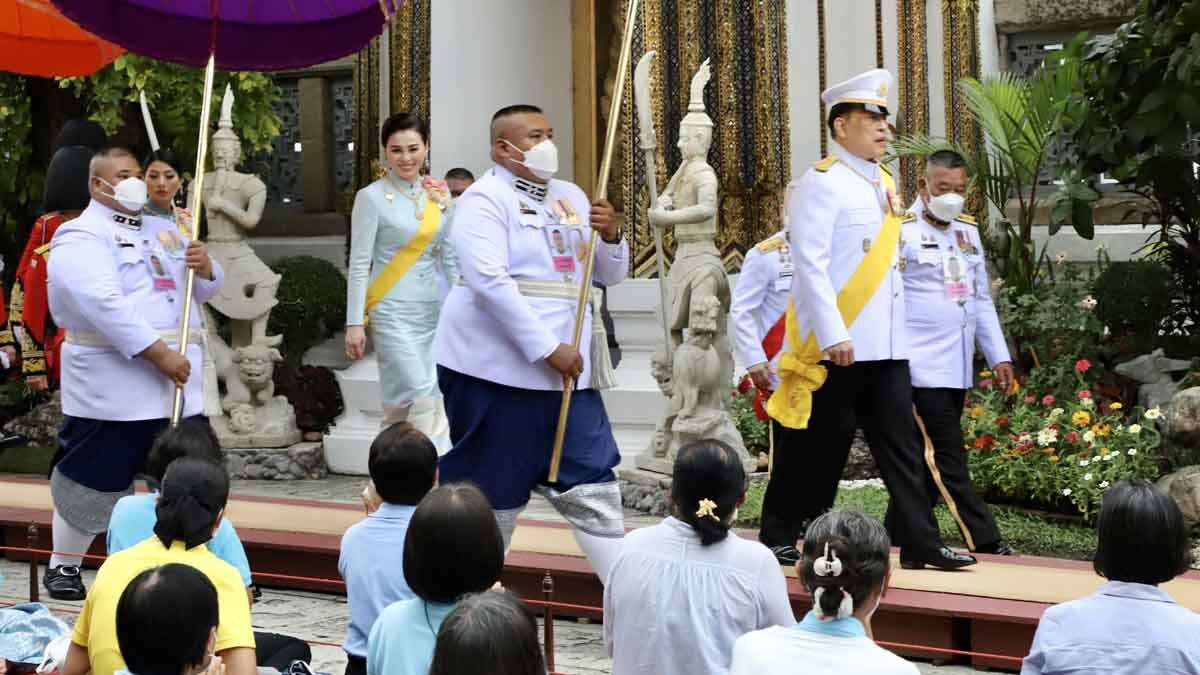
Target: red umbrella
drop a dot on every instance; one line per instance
(35, 39)
(239, 35)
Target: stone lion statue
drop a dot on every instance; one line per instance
(249, 377)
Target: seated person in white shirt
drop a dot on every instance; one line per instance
(1129, 626)
(681, 592)
(845, 564)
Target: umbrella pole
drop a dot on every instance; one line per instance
(585, 288)
(185, 323)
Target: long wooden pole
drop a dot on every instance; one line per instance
(185, 323)
(589, 264)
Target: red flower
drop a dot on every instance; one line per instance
(1084, 393)
(985, 441)
(1072, 437)
(744, 385)
(1048, 400)
(1082, 366)
(1030, 398)
(1003, 421)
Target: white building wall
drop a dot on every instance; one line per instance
(486, 55)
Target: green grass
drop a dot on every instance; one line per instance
(1029, 534)
(28, 459)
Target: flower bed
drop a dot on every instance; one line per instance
(1057, 448)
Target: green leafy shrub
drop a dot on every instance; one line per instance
(312, 304)
(1132, 298)
(750, 421)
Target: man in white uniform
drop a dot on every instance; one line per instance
(947, 313)
(116, 284)
(503, 341)
(846, 359)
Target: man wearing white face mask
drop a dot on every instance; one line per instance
(946, 313)
(120, 361)
(503, 340)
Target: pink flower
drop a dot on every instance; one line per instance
(1082, 366)
(1048, 400)
(1072, 437)
(1084, 393)
(1030, 398)
(985, 383)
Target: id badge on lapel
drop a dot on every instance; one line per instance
(786, 269)
(158, 266)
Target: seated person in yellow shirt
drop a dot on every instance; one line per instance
(167, 622)
(190, 506)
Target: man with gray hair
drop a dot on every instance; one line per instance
(948, 308)
(116, 287)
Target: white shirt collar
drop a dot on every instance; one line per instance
(527, 188)
(866, 168)
(109, 215)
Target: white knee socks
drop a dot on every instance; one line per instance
(69, 543)
(601, 552)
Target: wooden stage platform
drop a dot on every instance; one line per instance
(990, 609)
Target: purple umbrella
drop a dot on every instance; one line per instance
(242, 34)
(237, 35)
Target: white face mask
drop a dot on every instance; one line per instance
(946, 207)
(130, 193)
(541, 159)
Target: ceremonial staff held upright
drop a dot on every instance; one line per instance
(585, 285)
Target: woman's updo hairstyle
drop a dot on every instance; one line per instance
(405, 121)
(708, 484)
(843, 551)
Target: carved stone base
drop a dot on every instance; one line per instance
(303, 461)
(705, 424)
(270, 426)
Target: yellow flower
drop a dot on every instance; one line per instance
(985, 373)
(977, 412)
(1115, 406)
(1053, 458)
(1102, 430)
(1081, 418)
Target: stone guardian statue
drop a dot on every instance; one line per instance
(698, 375)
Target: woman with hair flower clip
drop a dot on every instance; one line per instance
(399, 231)
(681, 592)
(845, 564)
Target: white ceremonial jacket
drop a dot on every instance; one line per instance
(116, 289)
(760, 299)
(834, 216)
(943, 328)
(488, 329)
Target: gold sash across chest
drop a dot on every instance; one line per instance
(404, 258)
(800, 369)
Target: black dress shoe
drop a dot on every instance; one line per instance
(998, 548)
(64, 583)
(944, 558)
(786, 555)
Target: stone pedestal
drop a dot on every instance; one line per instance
(269, 426)
(302, 461)
(349, 439)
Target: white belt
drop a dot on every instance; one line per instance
(196, 336)
(534, 288)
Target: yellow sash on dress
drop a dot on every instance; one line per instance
(404, 258)
(800, 369)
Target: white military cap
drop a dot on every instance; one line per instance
(870, 89)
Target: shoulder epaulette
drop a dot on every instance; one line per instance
(908, 217)
(968, 219)
(768, 245)
(823, 164)
(42, 250)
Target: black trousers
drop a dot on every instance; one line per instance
(355, 665)
(876, 395)
(947, 476)
(278, 651)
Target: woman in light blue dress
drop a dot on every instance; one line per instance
(399, 243)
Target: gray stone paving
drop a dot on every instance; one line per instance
(322, 618)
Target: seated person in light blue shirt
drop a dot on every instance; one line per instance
(133, 517)
(453, 548)
(403, 467)
(1129, 626)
